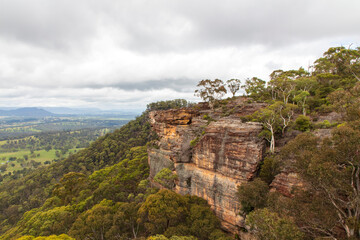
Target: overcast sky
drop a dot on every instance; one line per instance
(123, 54)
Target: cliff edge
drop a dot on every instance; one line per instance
(211, 154)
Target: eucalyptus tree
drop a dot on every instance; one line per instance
(210, 91)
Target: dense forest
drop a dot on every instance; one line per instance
(103, 192)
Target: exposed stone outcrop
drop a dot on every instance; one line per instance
(286, 182)
(228, 153)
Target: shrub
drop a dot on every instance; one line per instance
(194, 142)
(166, 178)
(253, 195)
(269, 169)
(326, 124)
(303, 123)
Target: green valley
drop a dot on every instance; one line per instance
(29, 143)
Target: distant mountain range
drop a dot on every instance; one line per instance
(61, 111)
(90, 111)
(27, 112)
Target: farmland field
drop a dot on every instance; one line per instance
(29, 143)
(16, 161)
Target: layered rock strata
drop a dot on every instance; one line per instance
(210, 158)
(286, 182)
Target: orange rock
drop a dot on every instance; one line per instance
(227, 154)
(286, 182)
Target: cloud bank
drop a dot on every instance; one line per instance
(125, 54)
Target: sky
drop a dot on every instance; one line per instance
(113, 54)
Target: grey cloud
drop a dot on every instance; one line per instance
(271, 65)
(50, 24)
(178, 25)
(178, 85)
(205, 24)
(135, 51)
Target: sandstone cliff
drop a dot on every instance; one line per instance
(226, 153)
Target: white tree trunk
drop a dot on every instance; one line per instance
(272, 142)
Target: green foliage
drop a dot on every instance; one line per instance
(70, 186)
(256, 89)
(303, 123)
(171, 214)
(338, 69)
(233, 85)
(166, 178)
(329, 167)
(324, 124)
(170, 104)
(163, 210)
(118, 181)
(125, 221)
(183, 238)
(84, 200)
(51, 237)
(253, 195)
(162, 237)
(201, 221)
(95, 222)
(219, 235)
(194, 142)
(339, 60)
(283, 83)
(301, 99)
(269, 169)
(275, 118)
(54, 221)
(346, 102)
(208, 118)
(157, 237)
(269, 225)
(211, 91)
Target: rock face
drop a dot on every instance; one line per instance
(285, 182)
(226, 154)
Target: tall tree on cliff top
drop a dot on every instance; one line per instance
(282, 83)
(341, 61)
(210, 91)
(233, 85)
(275, 118)
(256, 89)
(304, 87)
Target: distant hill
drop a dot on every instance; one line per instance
(72, 111)
(93, 112)
(26, 112)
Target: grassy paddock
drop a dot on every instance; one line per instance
(44, 156)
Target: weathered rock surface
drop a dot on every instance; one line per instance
(227, 154)
(286, 182)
